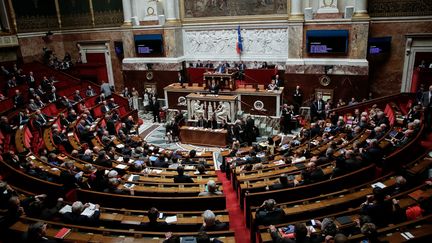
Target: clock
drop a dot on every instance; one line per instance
(328, 3)
(324, 80)
(150, 11)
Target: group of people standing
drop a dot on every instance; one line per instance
(149, 99)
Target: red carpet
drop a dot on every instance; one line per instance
(237, 221)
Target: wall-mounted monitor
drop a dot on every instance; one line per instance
(379, 45)
(118, 48)
(149, 45)
(327, 41)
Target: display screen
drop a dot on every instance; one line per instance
(327, 41)
(380, 45)
(118, 47)
(149, 45)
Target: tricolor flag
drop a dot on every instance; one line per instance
(239, 45)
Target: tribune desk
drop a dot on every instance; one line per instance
(203, 136)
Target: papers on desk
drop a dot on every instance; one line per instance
(88, 212)
(151, 148)
(161, 150)
(156, 171)
(198, 153)
(120, 146)
(189, 167)
(66, 209)
(131, 222)
(171, 219)
(120, 159)
(121, 166)
(133, 178)
(279, 162)
(32, 157)
(378, 184)
(70, 134)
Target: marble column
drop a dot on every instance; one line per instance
(360, 9)
(127, 12)
(171, 10)
(296, 9)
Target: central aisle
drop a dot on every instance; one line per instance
(237, 220)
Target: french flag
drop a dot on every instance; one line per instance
(239, 45)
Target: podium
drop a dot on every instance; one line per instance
(207, 105)
(224, 80)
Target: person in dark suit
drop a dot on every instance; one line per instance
(312, 174)
(36, 233)
(31, 81)
(220, 68)
(180, 79)
(209, 64)
(283, 183)
(297, 98)
(199, 64)
(213, 122)
(153, 224)
(181, 178)
(5, 127)
(76, 218)
(41, 119)
(214, 88)
(67, 177)
(110, 125)
(211, 223)
(58, 137)
(268, 213)
(201, 122)
(72, 116)
(241, 69)
(77, 96)
(279, 81)
(22, 118)
(105, 108)
(18, 99)
(317, 108)
(155, 107)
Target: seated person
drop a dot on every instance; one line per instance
(75, 216)
(37, 233)
(214, 88)
(211, 223)
(181, 178)
(268, 213)
(272, 86)
(154, 224)
(211, 190)
(283, 183)
(312, 173)
(301, 234)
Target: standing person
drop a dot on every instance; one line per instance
(427, 107)
(146, 100)
(106, 89)
(279, 81)
(135, 96)
(317, 109)
(155, 109)
(180, 79)
(297, 98)
(286, 119)
(127, 95)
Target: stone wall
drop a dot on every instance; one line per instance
(386, 74)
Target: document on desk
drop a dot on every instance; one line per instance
(171, 219)
(88, 212)
(66, 209)
(379, 184)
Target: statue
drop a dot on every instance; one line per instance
(223, 111)
(197, 109)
